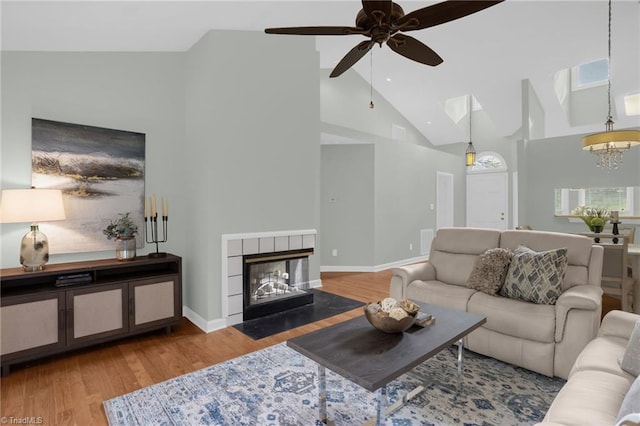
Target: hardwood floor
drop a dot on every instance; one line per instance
(69, 389)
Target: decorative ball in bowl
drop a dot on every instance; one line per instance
(390, 315)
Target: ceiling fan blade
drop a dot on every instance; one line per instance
(440, 13)
(380, 8)
(414, 49)
(352, 57)
(316, 30)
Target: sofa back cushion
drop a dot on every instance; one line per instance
(455, 250)
(578, 250)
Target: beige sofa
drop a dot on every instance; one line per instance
(543, 338)
(597, 386)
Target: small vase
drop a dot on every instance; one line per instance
(126, 248)
(597, 229)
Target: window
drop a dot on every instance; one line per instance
(591, 74)
(620, 199)
(489, 162)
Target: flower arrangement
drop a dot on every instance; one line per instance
(592, 216)
(123, 227)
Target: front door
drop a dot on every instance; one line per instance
(487, 200)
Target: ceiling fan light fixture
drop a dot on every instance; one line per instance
(609, 146)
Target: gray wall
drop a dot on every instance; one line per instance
(552, 163)
(405, 188)
(253, 136)
(128, 91)
(227, 139)
(383, 188)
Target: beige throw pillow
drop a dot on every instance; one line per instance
(489, 271)
(535, 276)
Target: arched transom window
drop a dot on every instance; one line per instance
(489, 162)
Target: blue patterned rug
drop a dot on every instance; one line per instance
(277, 386)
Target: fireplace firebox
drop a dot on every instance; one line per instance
(275, 282)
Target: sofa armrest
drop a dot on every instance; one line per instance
(584, 297)
(618, 324)
(405, 275)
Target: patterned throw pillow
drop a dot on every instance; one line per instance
(489, 271)
(535, 276)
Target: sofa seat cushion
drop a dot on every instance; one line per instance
(589, 398)
(439, 293)
(601, 354)
(515, 317)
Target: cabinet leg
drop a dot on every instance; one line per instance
(167, 330)
(6, 369)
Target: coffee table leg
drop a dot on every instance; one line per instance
(322, 393)
(382, 403)
(460, 348)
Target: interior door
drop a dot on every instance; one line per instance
(444, 199)
(487, 200)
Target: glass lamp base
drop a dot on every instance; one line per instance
(34, 250)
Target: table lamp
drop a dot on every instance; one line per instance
(32, 205)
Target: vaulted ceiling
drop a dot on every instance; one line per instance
(487, 54)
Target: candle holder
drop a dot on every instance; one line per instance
(615, 231)
(153, 233)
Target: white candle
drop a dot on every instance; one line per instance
(165, 207)
(154, 210)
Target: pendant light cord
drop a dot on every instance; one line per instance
(371, 105)
(470, 108)
(609, 65)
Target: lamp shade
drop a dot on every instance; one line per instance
(31, 205)
(621, 139)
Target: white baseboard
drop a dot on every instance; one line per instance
(201, 323)
(376, 268)
(315, 283)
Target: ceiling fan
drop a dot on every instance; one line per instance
(385, 21)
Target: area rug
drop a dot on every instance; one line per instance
(324, 305)
(278, 386)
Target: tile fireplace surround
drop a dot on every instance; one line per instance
(234, 246)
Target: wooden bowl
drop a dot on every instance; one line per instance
(388, 324)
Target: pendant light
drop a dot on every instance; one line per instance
(470, 153)
(610, 145)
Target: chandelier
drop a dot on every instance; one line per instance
(610, 145)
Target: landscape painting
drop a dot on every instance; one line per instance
(101, 174)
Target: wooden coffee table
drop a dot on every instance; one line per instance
(370, 358)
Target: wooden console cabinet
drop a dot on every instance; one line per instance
(123, 298)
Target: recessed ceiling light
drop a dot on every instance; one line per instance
(428, 122)
(389, 79)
